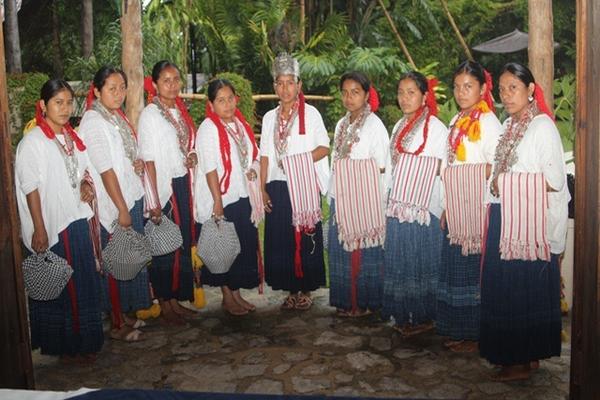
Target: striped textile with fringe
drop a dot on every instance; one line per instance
(303, 187)
(524, 205)
(465, 187)
(255, 196)
(411, 189)
(359, 211)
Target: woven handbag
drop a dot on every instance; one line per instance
(45, 275)
(218, 245)
(164, 238)
(126, 253)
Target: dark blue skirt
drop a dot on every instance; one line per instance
(413, 257)
(161, 270)
(134, 294)
(244, 270)
(458, 302)
(369, 285)
(280, 246)
(52, 321)
(520, 305)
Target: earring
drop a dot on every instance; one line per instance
(530, 98)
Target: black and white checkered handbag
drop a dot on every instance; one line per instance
(126, 253)
(164, 238)
(45, 275)
(218, 245)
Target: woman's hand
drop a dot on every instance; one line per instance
(86, 192)
(251, 175)
(39, 240)
(125, 219)
(494, 188)
(443, 221)
(267, 201)
(138, 167)
(218, 209)
(191, 160)
(156, 215)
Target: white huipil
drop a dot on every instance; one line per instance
(158, 142)
(39, 165)
(106, 151)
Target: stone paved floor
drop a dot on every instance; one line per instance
(292, 352)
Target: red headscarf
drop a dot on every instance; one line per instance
(487, 95)
(430, 101)
(373, 98)
(225, 146)
(538, 95)
(43, 124)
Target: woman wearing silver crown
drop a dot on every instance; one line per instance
(294, 173)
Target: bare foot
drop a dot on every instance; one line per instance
(451, 343)
(233, 308)
(181, 310)
(467, 346)
(414, 330)
(168, 316)
(512, 373)
(237, 296)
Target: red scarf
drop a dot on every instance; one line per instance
(487, 95)
(43, 124)
(225, 145)
(538, 95)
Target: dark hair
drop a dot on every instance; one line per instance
(419, 79)
(52, 87)
(472, 68)
(215, 85)
(520, 71)
(357, 77)
(103, 74)
(160, 66)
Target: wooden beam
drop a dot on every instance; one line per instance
(16, 369)
(459, 35)
(398, 37)
(541, 46)
(258, 97)
(132, 57)
(585, 335)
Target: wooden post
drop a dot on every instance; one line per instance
(16, 369)
(541, 46)
(459, 36)
(132, 56)
(398, 37)
(302, 22)
(585, 330)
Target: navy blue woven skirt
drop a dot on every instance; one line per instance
(369, 284)
(413, 257)
(134, 294)
(458, 302)
(280, 246)
(244, 270)
(161, 271)
(520, 305)
(52, 322)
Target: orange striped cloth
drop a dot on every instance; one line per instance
(303, 188)
(465, 188)
(411, 189)
(255, 196)
(524, 204)
(358, 207)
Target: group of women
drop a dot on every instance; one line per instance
(454, 228)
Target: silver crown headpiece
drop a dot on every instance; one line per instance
(285, 64)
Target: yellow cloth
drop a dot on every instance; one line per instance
(199, 298)
(29, 126)
(196, 260)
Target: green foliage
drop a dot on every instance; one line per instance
(390, 114)
(23, 93)
(243, 90)
(447, 110)
(564, 109)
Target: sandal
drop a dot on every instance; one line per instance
(466, 346)
(127, 335)
(289, 303)
(417, 329)
(343, 313)
(303, 302)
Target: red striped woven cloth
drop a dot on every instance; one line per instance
(465, 187)
(151, 200)
(303, 186)
(412, 187)
(524, 204)
(255, 195)
(358, 207)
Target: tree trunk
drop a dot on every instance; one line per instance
(13, 44)
(541, 46)
(57, 59)
(131, 56)
(87, 28)
(459, 36)
(302, 22)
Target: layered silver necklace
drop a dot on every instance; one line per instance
(127, 134)
(237, 135)
(348, 133)
(67, 151)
